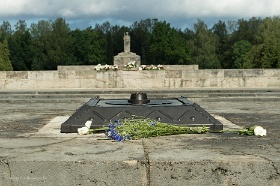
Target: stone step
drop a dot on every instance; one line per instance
(84, 95)
(85, 99)
(127, 95)
(128, 91)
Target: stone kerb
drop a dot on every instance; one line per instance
(18, 80)
(212, 78)
(17, 75)
(181, 67)
(76, 68)
(249, 78)
(42, 75)
(3, 75)
(143, 79)
(273, 77)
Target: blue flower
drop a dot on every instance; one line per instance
(117, 122)
(113, 133)
(118, 137)
(127, 137)
(111, 126)
(153, 124)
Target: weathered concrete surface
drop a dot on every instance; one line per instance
(176, 160)
(47, 161)
(210, 159)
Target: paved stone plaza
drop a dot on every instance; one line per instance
(208, 159)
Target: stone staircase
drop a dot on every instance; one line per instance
(81, 96)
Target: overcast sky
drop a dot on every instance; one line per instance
(179, 13)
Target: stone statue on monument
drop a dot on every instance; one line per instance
(126, 41)
(126, 57)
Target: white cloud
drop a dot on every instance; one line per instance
(135, 10)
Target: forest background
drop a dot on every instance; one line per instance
(252, 43)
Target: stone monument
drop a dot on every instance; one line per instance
(126, 57)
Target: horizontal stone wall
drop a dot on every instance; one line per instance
(186, 76)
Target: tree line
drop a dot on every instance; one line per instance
(252, 43)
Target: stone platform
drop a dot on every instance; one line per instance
(33, 152)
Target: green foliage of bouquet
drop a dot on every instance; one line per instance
(145, 128)
(138, 127)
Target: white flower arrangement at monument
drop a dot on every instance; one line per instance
(98, 67)
(131, 64)
(151, 67)
(106, 67)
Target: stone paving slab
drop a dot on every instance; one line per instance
(70, 161)
(170, 160)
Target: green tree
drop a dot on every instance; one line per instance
(41, 34)
(112, 39)
(242, 30)
(203, 47)
(5, 63)
(240, 49)
(105, 33)
(248, 30)
(21, 49)
(140, 34)
(166, 45)
(5, 31)
(253, 57)
(265, 54)
(60, 51)
(88, 47)
(223, 48)
(270, 34)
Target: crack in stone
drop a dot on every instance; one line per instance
(46, 145)
(274, 167)
(107, 151)
(147, 164)
(6, 162)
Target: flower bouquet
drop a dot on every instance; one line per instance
(139, 127)
(130, 65)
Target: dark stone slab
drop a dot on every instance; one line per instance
(180, 111)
